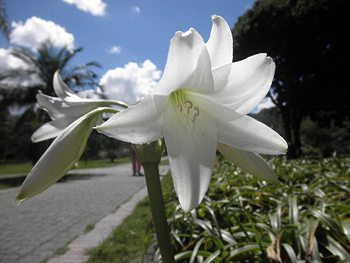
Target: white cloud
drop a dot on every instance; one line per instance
(35, 31)
(115, 50)
(94, 7)
(136, 9)
(131, 82)
(8, 61)
(265, 104)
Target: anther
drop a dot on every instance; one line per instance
(196, 113)
(190, 105)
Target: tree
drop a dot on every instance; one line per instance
(4, 24)
(42, 65)
(307, 41)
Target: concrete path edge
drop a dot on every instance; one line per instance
(77, 249)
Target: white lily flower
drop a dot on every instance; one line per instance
(65, 109)
(62, 154)
(200, 103)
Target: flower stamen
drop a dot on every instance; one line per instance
(187, 112)
(196, 114)
(189, 106)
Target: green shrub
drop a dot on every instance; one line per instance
(245, 220)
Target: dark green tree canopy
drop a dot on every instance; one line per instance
(308, 40)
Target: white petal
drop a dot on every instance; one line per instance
(251, 135)
(74, 102)
(201, 80)
(216, 110)
(220, 44)
(57, 107)
(248, 83)
(80, 106)
(71, 98)
(191, 151)
(188, 63)
(50, 104)
(221, 76)
(62, 154)
(51, 129)
(249, 162)
(138, 124)
(61, 89)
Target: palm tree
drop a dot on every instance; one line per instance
(4, 24)
(20, 86)
(4, 29)
(43, 64)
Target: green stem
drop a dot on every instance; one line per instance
(158, 211)
(150, 155)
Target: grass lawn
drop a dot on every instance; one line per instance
(129, 241)
(164, 162)
(100, 163)
(24, 168)
(18, 168)
(15, 168)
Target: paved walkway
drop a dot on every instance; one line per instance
(77, 250)
(36, 229)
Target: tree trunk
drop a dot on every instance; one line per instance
(291, 124)
(296, 123)
(292, 133)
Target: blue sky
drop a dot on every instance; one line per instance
(140, 29)
(129, 38)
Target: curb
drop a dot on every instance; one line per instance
(78, 249)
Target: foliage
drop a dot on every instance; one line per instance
(4, 23)
(100, 146)
(317, 141)
(306, 41)
(325, 141)
(241, 219)
(306, 218)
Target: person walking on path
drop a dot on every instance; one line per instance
(136, 164)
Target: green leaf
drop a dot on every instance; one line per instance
(290, 251)
(337, 249)
(213, 256)
(244, 249)
(183, 255)
(195, 250)
(335, 228)
(293, 210)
